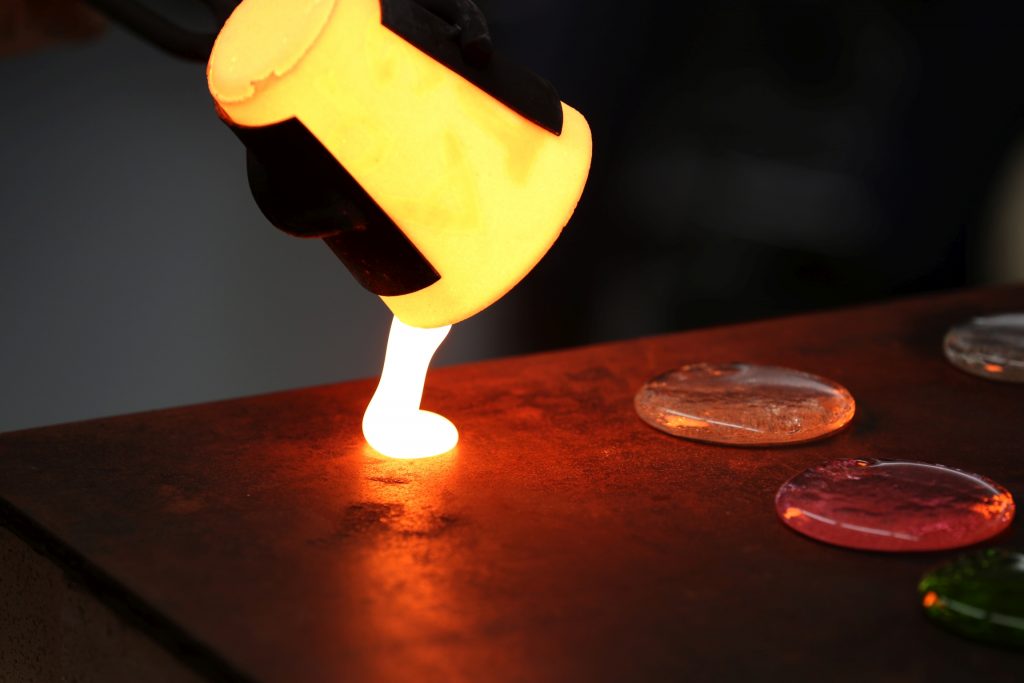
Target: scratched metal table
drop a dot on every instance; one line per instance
(563, 540)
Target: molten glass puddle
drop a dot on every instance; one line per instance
(394, 424)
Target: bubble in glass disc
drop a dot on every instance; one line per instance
(990, 347)
(741, 404)
(894, 505)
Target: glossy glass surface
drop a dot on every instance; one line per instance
(990, 347)
(979, 595)
(894, 505)
(741, 404)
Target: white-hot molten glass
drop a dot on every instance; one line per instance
(393, 423)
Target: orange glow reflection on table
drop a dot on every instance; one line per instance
(412, 560)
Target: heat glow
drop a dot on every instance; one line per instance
(481, 191)
(394, 425)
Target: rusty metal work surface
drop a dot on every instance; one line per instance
(563, 540)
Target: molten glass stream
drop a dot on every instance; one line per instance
(393, 423)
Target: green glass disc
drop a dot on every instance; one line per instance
(979, 595)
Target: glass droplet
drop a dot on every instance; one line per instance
(991, 347)
(736, 403)
(979, 595)
(894, 505)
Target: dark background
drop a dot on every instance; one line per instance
(751, 158)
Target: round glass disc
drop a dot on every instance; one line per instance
(990, 347)
(894, 505)
(741, 404)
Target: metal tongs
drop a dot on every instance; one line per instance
(186, 43)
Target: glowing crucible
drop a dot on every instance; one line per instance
(439, 182)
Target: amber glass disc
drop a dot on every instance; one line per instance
(741, 404)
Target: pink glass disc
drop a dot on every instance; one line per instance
(894, 505)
